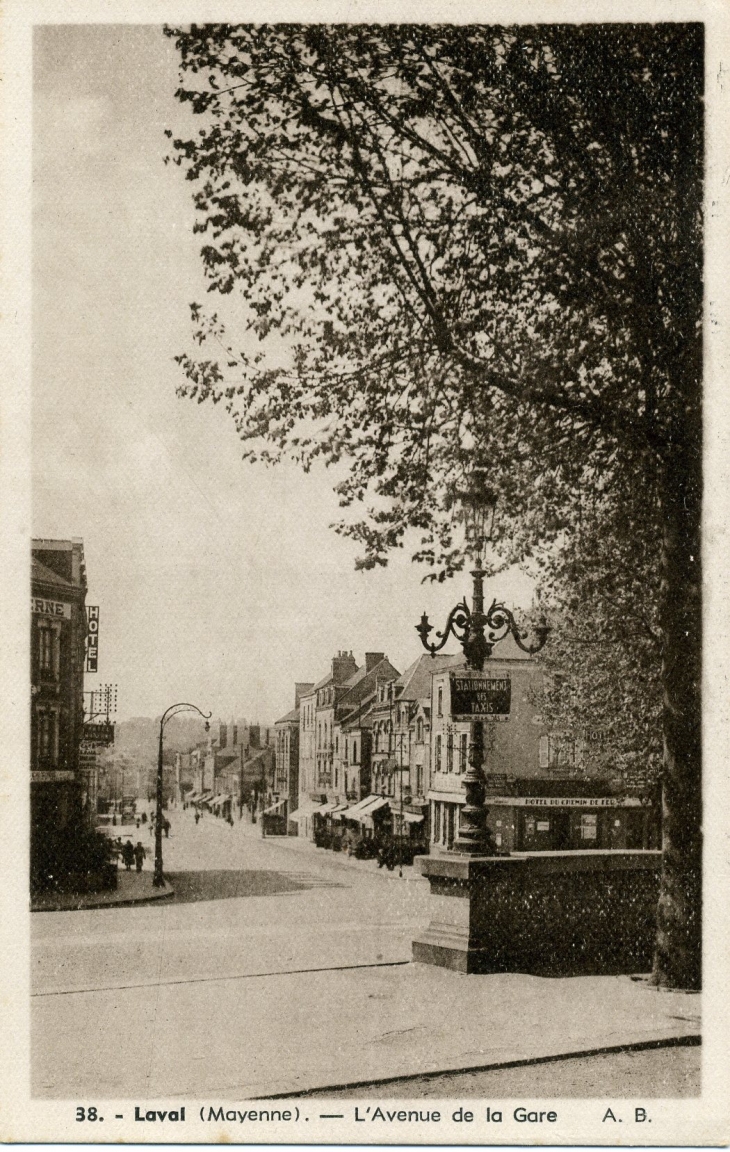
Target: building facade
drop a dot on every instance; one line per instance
(58, 638)
(542, 794)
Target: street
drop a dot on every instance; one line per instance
(278, 967)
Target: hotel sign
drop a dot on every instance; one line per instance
(480, 696)
(98, 734)
(43, 607)
(569, 801)
(92, 640)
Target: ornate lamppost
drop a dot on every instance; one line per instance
(159, 880)
(478, 632)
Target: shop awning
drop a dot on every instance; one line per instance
(352, 813)
(338, 811)
(276, 807)
(364, 810)
(409, 817)
(220, 800)
(449, 797)
(325, 809)
(204, 797)
(305, 810)
(191, 796)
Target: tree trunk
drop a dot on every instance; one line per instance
(677, 957)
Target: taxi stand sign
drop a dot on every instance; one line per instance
(92, 638)
(480, 695)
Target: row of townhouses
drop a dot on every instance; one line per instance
(227, 772)
(369, 754)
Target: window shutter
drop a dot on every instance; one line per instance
(544, 751)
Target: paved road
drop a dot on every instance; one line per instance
(278, 968)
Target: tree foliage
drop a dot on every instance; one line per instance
(470, 238)
(480, 244)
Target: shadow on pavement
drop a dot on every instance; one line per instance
(231, 884)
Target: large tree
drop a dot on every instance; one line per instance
(474, 244)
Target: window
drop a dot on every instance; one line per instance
(440, 706)
(354, 752)
(557, 750)
(450, 753)
(437, 754)
(47, 737)
(419, 731)
(419, 780)
(463, 752)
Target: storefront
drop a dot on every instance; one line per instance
(535, 823)
(572, 823)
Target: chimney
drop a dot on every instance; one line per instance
(300, 690)
(234, 734)
(254, 735)
(344, 666)
(372, 659)
(222, 735)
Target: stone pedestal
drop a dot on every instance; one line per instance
(548, 913)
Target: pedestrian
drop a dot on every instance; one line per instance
(138, 821)
(167, 827)
(139, 855)
(128, 855)
(197, 817)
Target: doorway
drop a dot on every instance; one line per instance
(561, 831)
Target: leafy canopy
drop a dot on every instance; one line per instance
(475, 243)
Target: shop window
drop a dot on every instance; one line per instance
(436, 835)
(589, 826)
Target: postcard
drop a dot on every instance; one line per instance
(364, 454)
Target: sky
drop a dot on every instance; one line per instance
(218, 581)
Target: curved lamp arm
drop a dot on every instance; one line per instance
(175, 708)
(456, 625)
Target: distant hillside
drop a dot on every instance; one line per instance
(137, 738)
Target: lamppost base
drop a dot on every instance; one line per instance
(484, 846)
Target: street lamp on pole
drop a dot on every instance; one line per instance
(159, 880)
(469, 626)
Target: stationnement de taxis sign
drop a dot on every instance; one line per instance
(480, 696)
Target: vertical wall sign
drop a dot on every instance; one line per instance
(92, 638)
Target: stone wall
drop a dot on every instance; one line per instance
(552, 913)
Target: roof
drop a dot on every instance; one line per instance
(43, 575)
(365, 682)
(320, 684)
(416, 680)
(355, 721)
(290, 718)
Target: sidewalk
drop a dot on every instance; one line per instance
(132, 888)
(306, 847)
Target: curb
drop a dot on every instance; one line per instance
(125, 902)
(692, 1040)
